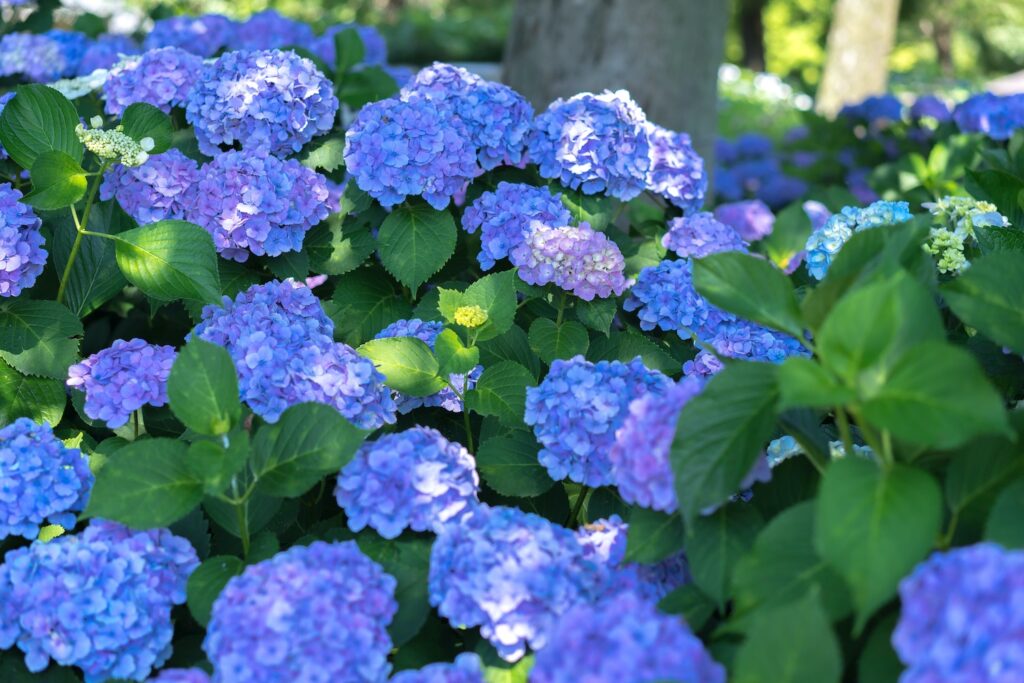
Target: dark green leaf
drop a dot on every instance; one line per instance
(39, 119)
(453, 357)
(878, 662)
(290, 264)
(41, 400)
(39, 337)
(509, 465)
(512, 346)
(170, 260)
(652, 535)
(1004, 520)
(415, 241)
(551, 341)
(788, 236)
(58, 181)
(214, 464)
(690, 603)
(95, 277)
(364, 303)
(325, 154)
(348, 50)
(338, 245)
(501, 392)
(369, 84)
(626, 345)
(804, 383)
(987, 296)
(407, 363)
(203, 388)
(716, 544)
(142, 120)
(597, 314)
(408, 560)
(207, 582)
(1000, 188)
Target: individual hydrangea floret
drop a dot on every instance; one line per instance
(957, 218)
(407, 147)
(162, 188)
(594, 143)
(703, 365)
(624, 638)
(181, 676)
(310, 613)
(577, 259)
(41, 481)
(270, 100)
(161, 77)
(257, 204)
(415, 479)
(751, 219)
(677, 171)
(22, 255)
(996, 116)
(106, 51)
(701, 234)
(576, 410)
(467, 668)
(113, 145)
(122, 378)
(511, 573)
(825, 243)
(375, 49)
(203, 35)
(504, 217)
(268, 30)
(100, 600)
(931, 107)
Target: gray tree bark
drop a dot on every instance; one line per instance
(857, 60)
(666, 53)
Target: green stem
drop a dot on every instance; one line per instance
(561, 310)
(843, 423)
(574, 516)
(75, 246)
(947, 538)
(881, 452)
(469, 429)
(135, 425)
(80, 230)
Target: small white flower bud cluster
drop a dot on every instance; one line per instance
(114, 144)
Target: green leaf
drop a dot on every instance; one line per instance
(873, 526)
(804, 383)
(39, 119)
(364, 303)
(214, 463)
(415, 241)
(1003, 525)
(206, 583)
(509, 465)
(259, 511)
(720, 434)
(878, 662)
(290, 264)
(145, 485)
(597, 314)
(626, 345)
(39, 337)
(170, 260)
(979, 469)
(325, 154)
(407, 363)
(652, 536)
(39, 399)
(727, 280)
(408, 560)
(454, 357)
(496, 294)
(338, 245)
(13, 669)
(514, 346)
(348, 50)
(550, 340)
(142, 120)
(58, 181)
(788, 236)
(993, 239)
(987, 296)
(203, 388)
(1000, 188)
(717, 543)
(590, 208)
(501, 392)
(690, 603)
(369, 84)
(310, 441)
(95, 277)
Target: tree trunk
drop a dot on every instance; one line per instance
(943, 38)
(665, 52)
(751, 25)
(859, 42)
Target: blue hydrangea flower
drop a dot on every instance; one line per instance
(751, 219)
(749, 341)
(624, 638)
(467, 668)
(876, 110)
(576, 410)
(931, 107)
(782, 449)
(32, 55)
(161, 77)
(311, 613)
(40, 480)
(271, 100)
(664, 298)
(22, 255)
(415, 479)
(375, 50)
(181, 676)
(577, 259)
(204, 35)
(72, 46)
(677, 171)
(961, 618)
(413, 146)
(700, 234)
(594, 143)
(106, 51)
(857, 181)
(122, 378)
(162, 188)
(100, 600)
(753, 146)
(268, 30)
(825, 243)
(703, 365)
(995, 116)
(511, 573)
(781, 189)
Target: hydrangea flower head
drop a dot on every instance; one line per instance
(504, 217)
(594, 143)
(268, 30)
(161, 77)
(375, 49)
(677, 171)
(578, 407)
(467, 668)
(122, 378)
(751, 219)
(700, 234)
(995, 116)
(577, 259)
(932, 107)
(181, 676)
(317, 612)
(825, 243)
(875, 110)
(22, 255)
(957, 218)
(664, 298)
(270, 100)
(162, 188)
(106, 51)
(255, 203)
(203, 35)
(112, 145)
(749, 341)
(100, 600)
(41, 481)
(35, 56)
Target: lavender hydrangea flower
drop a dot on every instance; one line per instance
(703, 365)
(40, 480)
(375, 50)
(100, 600)
(415, 479)
(577, 259)
(122, 378)
(995, 116)
(932, 107)
(749, 341)
(825, 243)
(700, 234)
(677, 171)
(35, 56)
(623, 638)
(204, 35)
(181, 676)
(106, 51)
(162, 188)
(576, 410)
(413, 146)
(257, 204)
(268, 30)
(22, 255)
(511, 573)
(594, 143)
(467, 668)
(752, 219)
(961, 617)
(817, 212)
(271, 100)
(317, 612)
(161, 77)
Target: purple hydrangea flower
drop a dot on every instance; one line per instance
(161, 77)
(577, 409)
(467, 668)
(677, 171)
(311, 613)
(664, 298)
(122, 378)
(204, 35)
(623, 638)
(504, 217)
(577, 259)
(875, 110)
(22, 255)
(594, 143)
(413, 146)
(162, 188)
(181, 676)
(415, 479)
(72, 46)
(700, 234)
(995, 116)
(754, 146)
(100, 600)
(271, 100)
(106, 51)
(932, 107)
(703, 365)
(35, 56)
(41, 481)
(824, 243)
(752, 219)
(511, 573)
(817, 212)
(781, 190)
(257, 204)
(961, 618)
(375, 50)
(269, 30)
(749, 341)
